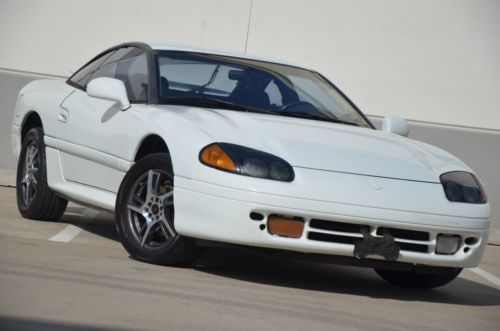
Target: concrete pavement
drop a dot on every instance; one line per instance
(90, 282)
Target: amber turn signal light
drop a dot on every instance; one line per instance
(285, 226)
(213, 155)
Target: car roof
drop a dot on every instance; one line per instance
(214, 51)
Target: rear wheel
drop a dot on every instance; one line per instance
(35, 200)
(419, 280)
(145, 214)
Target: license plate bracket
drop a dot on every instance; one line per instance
(384, 246)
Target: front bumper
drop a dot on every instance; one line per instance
(220, 213)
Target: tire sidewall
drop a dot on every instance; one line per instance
(36, 135)
(161, 255)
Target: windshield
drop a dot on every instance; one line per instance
(217, 81)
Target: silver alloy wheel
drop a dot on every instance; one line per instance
(150, 209)
(29, 179)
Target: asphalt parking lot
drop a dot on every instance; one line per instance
(74, 274)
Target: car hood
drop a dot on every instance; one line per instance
(326, 146)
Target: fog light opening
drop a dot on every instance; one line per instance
(285, 226)
(256, 216)
(471, 241)
(447, 244)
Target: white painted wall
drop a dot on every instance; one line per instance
(426, 60)
(56, 36)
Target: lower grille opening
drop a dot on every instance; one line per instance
(404, 234)
(335, 226)
(332, 238)
(412, 247)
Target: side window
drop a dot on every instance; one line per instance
(108, 67)
(132, 69)
(128, 64)
(83, 76)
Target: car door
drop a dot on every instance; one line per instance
(94, 135)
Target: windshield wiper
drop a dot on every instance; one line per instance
(211, 103)
(303, 114)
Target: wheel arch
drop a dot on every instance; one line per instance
(31, 120)
(150, 144)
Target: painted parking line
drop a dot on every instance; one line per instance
(70, 232)
(486, 275)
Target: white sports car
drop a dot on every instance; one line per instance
(247, 151)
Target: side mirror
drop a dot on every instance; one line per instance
(396, 125)
(109, 89)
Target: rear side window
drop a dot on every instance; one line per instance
(128, 64)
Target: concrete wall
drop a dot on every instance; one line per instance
(436, 63)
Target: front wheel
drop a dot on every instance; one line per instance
(419, 280)
(145, 214)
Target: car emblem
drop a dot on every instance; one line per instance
(375, 184)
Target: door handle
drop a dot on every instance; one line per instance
(63, 117)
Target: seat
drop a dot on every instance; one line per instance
(164, 87)
(250, 88)
(137, 87)
(251, 98)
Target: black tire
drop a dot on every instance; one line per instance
(40, 203)
(164, 245)
(412, 279)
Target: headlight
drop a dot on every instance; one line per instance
(460, 186)
(246, 161)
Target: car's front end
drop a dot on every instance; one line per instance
(289, 163)
(328, 207)
(237, 215)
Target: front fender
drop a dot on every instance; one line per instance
(183, 138)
